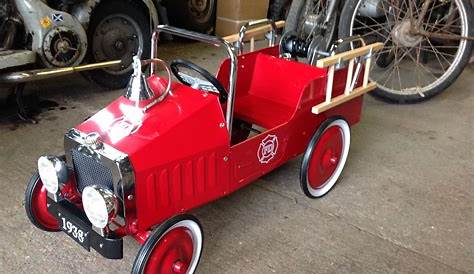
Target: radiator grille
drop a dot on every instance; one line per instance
(90, 172)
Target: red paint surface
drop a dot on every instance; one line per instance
(172, 254)
(179, 151)
(326, 156)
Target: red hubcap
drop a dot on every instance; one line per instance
(325, 157)
(40, 209)
(172, 254)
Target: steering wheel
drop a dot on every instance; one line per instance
(210, 84)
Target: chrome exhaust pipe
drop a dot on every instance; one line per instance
(42, 74)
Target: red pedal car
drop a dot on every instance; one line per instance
(164, 148)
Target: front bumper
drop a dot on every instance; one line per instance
(109, 247)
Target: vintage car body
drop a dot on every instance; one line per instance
(178, 154)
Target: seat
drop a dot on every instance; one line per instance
(262, 112)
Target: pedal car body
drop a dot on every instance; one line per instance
(139, 165)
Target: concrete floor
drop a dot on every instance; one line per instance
(403, 205)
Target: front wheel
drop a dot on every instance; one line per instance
(36, 205)
(413, 66)
(325, 157)
(173, 247)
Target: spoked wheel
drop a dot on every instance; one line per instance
(325, 157)
(36, 205)
(306, 18)
(422, 56)
(173, 248)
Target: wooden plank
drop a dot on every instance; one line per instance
(330, 83)
(254, 32)
(348, 55)
(343, 98)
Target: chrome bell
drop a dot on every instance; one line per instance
(138, 88)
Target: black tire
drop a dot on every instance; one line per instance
(137, 18)
(294, 15)
(305, 164)
(278, 9)
(32, 187)
(150, 244)
(183, 14)
(345, 31)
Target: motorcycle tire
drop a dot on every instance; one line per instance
(391, 95)
(278, 9)
(109, 40)
(189, 14)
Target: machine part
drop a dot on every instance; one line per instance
(41, 74)
(83, 11)
(414, 66)
(314, 22)
(173, 247)
(117, 31)
(36, 205)
(62, 47)
(42, 23)
(402, 36)
(325, 157)
(371, 8)
(15, 58)
(291, 44)
(196, 15)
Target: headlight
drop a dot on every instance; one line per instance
(100, 205)
(53, 172)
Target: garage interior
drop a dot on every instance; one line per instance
(404, 202)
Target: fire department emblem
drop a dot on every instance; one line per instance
(267, 149)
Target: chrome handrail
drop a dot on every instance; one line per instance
(251, 24)
(213, 40)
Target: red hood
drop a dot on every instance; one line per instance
(186, 122)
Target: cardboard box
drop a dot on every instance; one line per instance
(233, 14)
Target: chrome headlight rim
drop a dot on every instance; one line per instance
(53, 172)
(107, 201)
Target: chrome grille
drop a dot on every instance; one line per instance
(90, 172)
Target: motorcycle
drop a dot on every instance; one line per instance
(45, 39)
(427, 43)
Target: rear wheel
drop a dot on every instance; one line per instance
(117, 31)
(325, 158)
(412, 67)
(174, 247)
(36, 205)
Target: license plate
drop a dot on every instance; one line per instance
(77, 231)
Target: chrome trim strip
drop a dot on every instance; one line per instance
(117, 161)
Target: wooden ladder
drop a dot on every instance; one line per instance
(350, 92)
